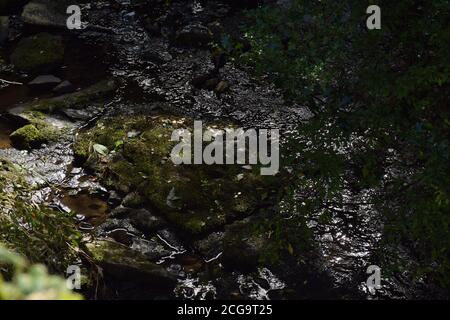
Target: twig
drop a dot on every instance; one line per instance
(11, 82)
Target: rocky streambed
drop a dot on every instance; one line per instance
(88, 114)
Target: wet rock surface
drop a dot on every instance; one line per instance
(183, 229)
(45, 13)
(44, 82)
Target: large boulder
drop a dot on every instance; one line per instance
(40, 53)
(194, 198)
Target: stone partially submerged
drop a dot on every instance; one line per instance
(38, 129)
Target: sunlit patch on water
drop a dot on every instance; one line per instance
(259, 287)
(351, 236)
(193, 288)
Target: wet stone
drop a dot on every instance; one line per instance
(82, 114)
(64, 87)
(44, 82)
(211, 246)
(154, 249)
(114, 199)
(112, 224)
(157, 54)
(141, 219)
(194, 35)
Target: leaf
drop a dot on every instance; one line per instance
(118, 144)
(290, 249)
(100, 149)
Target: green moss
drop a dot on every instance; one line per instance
(27, 137)
(40, 53)
(194, 198)
(81, 151)
(50, 237)
(36, 133)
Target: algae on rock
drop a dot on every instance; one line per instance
(42, 52)
(36, 133)
(195, 199)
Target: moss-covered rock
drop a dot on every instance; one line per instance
(194, 198)
(27, 137)
(36, 133)
(42, 52)
(121, 262)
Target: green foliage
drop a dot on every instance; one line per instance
(380, 100)
(31, 282)
(40, 234)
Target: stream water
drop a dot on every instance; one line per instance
(155, 76)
